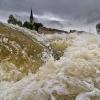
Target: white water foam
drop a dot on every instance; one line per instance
(75, 76)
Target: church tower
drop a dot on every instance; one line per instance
(31, 17)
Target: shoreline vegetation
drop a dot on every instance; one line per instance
(39, 27)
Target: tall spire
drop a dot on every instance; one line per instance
(31, 17)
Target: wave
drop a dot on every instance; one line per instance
(75, 76)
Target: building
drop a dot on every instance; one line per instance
(45, 30)
(31, 17)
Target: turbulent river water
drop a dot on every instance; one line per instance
(75, 76)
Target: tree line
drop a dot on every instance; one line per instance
(35, 26)
(26, 24)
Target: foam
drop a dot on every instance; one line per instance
(75, 76)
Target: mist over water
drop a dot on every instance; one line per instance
(75, 76)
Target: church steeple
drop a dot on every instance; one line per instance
(31, 17)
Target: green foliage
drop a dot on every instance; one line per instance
(37, 25)
(32, 26)
(98, 27)
(28, 25)
(12, 20)
(19, 23)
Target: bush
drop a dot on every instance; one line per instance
(28, 25)
(37, 25)
(98, 28)
(19, 23)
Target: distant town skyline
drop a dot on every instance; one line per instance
(77, 11)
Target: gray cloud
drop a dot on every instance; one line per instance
(84, 10)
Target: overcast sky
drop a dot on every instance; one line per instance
(87, 11)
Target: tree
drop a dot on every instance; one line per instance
(12, 20)
(37, 25)
(19, 23)
(28, 25)
(98, 28)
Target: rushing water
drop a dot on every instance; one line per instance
(75, 76)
